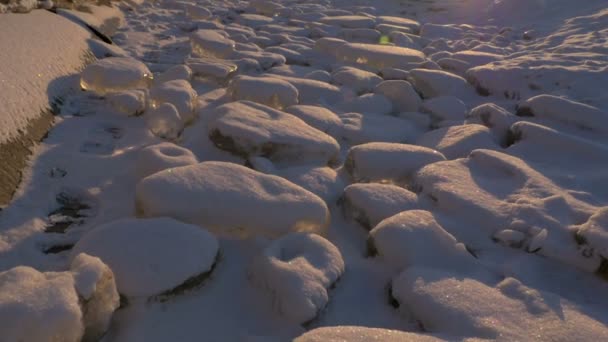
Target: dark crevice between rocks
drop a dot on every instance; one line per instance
(310, 324)
(226, 143)
(512, 137)
(524, 111)
(56, 249)
(371, 250)
(392, 301)
(602, 271)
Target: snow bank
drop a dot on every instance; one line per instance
(150, 256)
(207, 193)
(249, 129)
(387, 162)
(115, 74)
(155, 158)
(268, 91)
(297, 270)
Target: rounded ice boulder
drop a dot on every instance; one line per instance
(114, 74)
(155, 158)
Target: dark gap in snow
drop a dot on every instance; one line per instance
(392, 301)
(524, 111)
(58, 248)
(191, 284)
(371, 250)
(602, 271)
(512, 138)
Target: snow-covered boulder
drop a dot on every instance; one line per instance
(379, 56)
(496, 118)
(594, 232)
(321, 181)
(269, 91)
(476, 58)
(231, 200)
(349, 21)
(445, 108)
(166, 155)
(176, 72)
(362, 334)
(360, 129)
(96, 287)
(218, 70)
(312, 92)
(388, 162)
(250, 129)
(414, 238)
(360, 81)
(401, 93)
(164, 121)
(115, 74)
(297, 270)
(458, 141)
(178, 93)
(129, 102)
(413, 25)
(432, 83)
(370, 203)
(211, 43)
(360, 35)
(375, 104)
(36, 307)
(151, 256)
(320, 118)
(560, 109)
(442, 302)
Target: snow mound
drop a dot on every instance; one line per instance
(362, 334)
(38, 306)
(320, 118)
(298, 270)
(312, 92)
(249, 129)
(359, 80)
(211, 43)
(380, 56)
(321, 181)
(458, 141)
(176, 72)
(150, 256)
(594, 232)
(166, 155)
(374, 104)
(388, 162)
(178, 93)
(432, 83)
(445, 108)
(360, 129)
(414, 238)
(270, 91)
(129, 102)
(95, 285)
(496, 118)
(114, 74)
(164, 121)
(560, 109)
(445, 302)
(208, 193)
(401, 93)
(368, 204)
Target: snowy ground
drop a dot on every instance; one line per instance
(322, 171)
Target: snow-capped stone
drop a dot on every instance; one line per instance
(196, 11)
(129, 102)
(453, 65)
(177, 92)
(432, 83)
(211, 43)
(176, 72)
(360, 81)
(475, 58)
(312, 92)
(448, 108)
(399, 21)
(375, 104)
(94, 282)
(564, 110)
(414, 238)
(361, 129)
(37, 306)
(510, 310)
(150, 256)
(362, 334)
(379, 56)
(270, 91)
(250, 129)
(401, 93)
(297, 270)
(208, 68)
(594, 232)
(321, 181)
(389, 28)
(114, 74)
(370, 203)
(436, 31)
(458, 141)
(231, 200)
(164, 121)
(510, 238)
(388, 162)
(361, 35)
(319, 75)
(320, 118)
(266, 60)
(496, 118)
(166, 155)
(349, 21)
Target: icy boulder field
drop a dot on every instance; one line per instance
(332, 170)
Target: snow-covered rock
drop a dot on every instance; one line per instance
(129, 102)
(37, 306)
(231, 200)
(594, 232)
(312, 92)
(215, 69)
(349, 21)
(379, 56)
(388, 162)
(150, 256)
(164, 121)
(211, 43)
(496, 118)
(510, 310)
(115, 74)
(320, 118)
(432, 83)
(178, 93)
(297, 270)
(458, 141)
(414, 238)
(361, 129)
(401, 93)
(321, 181)
(270, 91)
(176, 72)
(375, 104)
(362, 334)
(249, 129)
(370, 203)
(399, 21)
(166, 155)
(360, 35)
(359, 80)
(445, 108)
